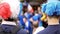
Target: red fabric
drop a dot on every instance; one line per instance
(5, 12)
(32, 11)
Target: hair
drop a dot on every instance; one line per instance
(54, 15)
(10, 19)
(25, 17)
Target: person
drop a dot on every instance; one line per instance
(27, 25)
(35, 23)
(28, 15)
(52, 10)
(8, 24)
(22, 24)
(20, 16)
(39, 15)
(9, 16)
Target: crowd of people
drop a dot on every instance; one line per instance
(31, 22)
(14, 19)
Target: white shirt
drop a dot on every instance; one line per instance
(8, 23)
(38, 30)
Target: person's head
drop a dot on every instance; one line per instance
(52, 10)
(5, 11)
(39, 9)
(25, 8)
(36, 12)
(35, 21)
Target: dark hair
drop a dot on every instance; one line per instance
(25, 17)
(10, 19)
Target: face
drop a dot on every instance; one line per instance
(39, 10)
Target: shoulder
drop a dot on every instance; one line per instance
(43, 31)
(39, 29)
(22, 31)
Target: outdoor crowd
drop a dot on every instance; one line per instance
(31, 20)
(18, 19)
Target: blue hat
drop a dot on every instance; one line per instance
(35, 18)
(51, 8)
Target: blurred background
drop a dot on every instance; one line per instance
(30, 18)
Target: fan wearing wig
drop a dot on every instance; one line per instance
(52, 9)
(9, 10)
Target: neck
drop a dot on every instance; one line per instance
(53, 21)
(34, 29)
